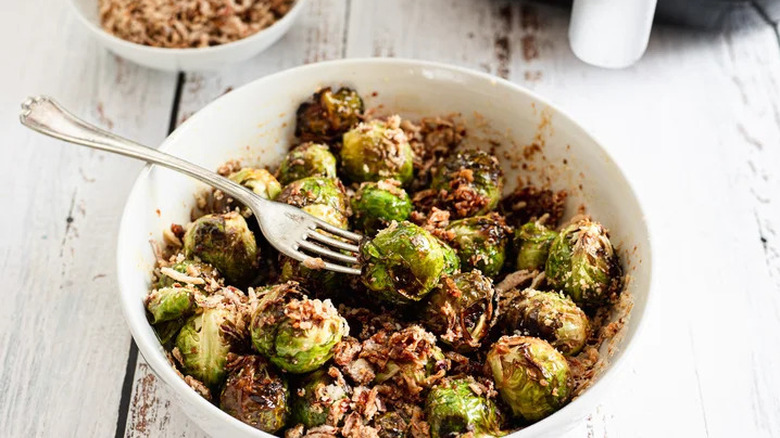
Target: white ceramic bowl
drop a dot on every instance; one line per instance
(207, 58)
(256, 123)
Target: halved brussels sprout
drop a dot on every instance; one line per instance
(225, 242)
(319, 399)
(204, 343)
(377, 150)
(259, 181)
(321, 197)
(376, 204)
(532, 377)
(255, 393)
(409, 358)
(294, 332)
(470, 183)
(328, 115)
(533, 241)
(460, 310)
(480, 242)
(169, 303)
(551, 316)
(453, 408)
(403, 263)
(583, 263)
(305, 160)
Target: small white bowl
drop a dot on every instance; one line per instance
(255, 123)
(207, 58)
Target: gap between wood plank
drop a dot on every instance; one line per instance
(132, 356)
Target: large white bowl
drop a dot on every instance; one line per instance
(256, 123)
(207, 58)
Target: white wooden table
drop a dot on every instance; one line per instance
(696, 125)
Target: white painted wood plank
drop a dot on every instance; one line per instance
(63, 340)
(318, 36)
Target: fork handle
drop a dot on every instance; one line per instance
(45, 115)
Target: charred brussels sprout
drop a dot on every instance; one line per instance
(533, 241)
(169, 303)
(460, 310)
(321, 197)
(470, 183)
(377, 150)
(307, 159)
(480, 242)
(204, 343)
(410, 359)
(453, 407)
(294, 332)
(583, 263)
(319, 281)
(328, 115)
(404, 262)
(259, 181)
(390, 425)
(319, 399)
(549, 315)
(255, 393)
(376, 204)
(224, 241)
(532, 377)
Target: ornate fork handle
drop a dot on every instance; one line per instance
(45, 115)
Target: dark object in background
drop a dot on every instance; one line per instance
(701, 13)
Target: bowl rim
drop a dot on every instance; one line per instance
(589, 396)
(187, 51)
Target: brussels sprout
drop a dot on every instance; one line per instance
(188, 268)
(259, 181)
(460, 310)
(328, 115)
(410, 358)
(480, 242)
(404, 262)
(533, 241)
(549, 315)
(170, 303)
(321, 197)
(319, 281)
(583, 263)
(168, 330)
(532, 377)
(390, 425)
(224, 241)
(376, 204)
(294, 332)
(319, 399)
(204, 343)
(307, 159)
(454, 408)
(377, 150)
(470, 183)
(255, 393)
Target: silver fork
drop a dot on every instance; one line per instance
(289, 229)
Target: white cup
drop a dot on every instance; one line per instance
(610, 33)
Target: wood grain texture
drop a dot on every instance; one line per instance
(63, 340)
